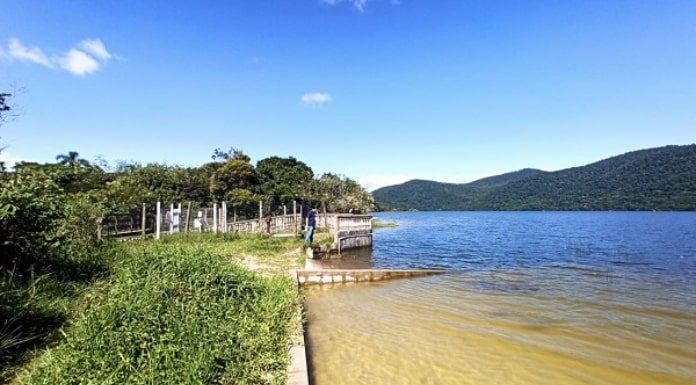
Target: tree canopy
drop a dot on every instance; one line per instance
(275, 181)
(72, 159)
(284, 179)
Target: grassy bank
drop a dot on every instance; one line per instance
(181, 310)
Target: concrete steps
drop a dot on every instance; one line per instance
(309, 277)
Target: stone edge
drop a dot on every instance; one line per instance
(297, 367)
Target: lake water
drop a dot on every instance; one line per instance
(528, 298)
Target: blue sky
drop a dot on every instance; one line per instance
(380, 91)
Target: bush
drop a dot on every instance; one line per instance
(31, 205)
(47, 257)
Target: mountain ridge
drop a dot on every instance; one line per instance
(661, 178)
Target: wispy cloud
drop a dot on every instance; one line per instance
(358, 4)
(315, 99)
(16, 50)
(96, 48)
(88, 57)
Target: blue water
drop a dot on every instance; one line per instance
(630, 250)
(527, 298)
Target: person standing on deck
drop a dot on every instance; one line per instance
(311, 225)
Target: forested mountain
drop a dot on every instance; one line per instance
(661, 178)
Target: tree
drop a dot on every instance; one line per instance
(4, 108)
(72, 159)
(233, 174)
(284, 179)
(126, 193)
(341, 194)
(232, 153)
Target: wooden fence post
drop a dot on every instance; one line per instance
(260, 216)
(158, 221)
(143, 221)
(188, 216)
(181, 217)
(215, 218)
(294, 214)
(224, 216)
(171, 220)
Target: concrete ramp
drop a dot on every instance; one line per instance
(314, 277)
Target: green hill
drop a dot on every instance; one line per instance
(661, 178)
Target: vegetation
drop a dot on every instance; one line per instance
(71, 159)
(377, 224)
(4, 107)
(75, 308)
(175, 312)
(4, 110)
(654, 179)
(275, 181)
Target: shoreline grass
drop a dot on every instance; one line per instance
(377, 224)
(181, 310)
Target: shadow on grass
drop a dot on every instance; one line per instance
(34, 301)
(21, 334)
(75, 271)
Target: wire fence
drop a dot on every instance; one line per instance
(154, 220)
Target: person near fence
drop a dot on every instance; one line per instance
(311, 225)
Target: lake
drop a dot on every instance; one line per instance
(528, 298)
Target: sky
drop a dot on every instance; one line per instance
(381, 91)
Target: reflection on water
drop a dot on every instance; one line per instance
(599, 314)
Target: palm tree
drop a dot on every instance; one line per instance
(72, 159)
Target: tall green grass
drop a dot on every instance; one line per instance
(177, 312)
(34, 305)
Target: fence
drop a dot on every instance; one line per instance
(161, 219)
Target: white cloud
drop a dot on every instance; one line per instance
(89, 58)
(359, 4)
(78, 62)
(96, 48)
(373, 182)
(315, 98)
(16, 50)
